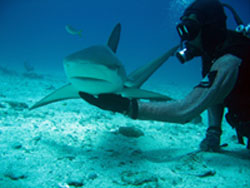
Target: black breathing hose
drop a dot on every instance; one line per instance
(237, 18)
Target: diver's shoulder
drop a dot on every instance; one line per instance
(226, 61)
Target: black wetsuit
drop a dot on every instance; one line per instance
(238, 101)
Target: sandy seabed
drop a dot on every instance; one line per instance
(73, 144)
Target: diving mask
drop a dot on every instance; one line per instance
(188, 29)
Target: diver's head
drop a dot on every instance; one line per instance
(202, 29)
(189, 31)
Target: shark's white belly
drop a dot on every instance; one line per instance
(93, 78)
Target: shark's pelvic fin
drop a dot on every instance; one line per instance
(114, 38)
(65, 92)
(140, 75)
(137, 93)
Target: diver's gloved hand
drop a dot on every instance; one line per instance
(113, 102)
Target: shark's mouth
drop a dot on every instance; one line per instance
(91, 79)
(92, 85)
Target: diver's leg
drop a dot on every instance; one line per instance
(212, 140)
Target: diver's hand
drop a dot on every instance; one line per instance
(113, 102)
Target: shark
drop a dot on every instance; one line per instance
(97, 70)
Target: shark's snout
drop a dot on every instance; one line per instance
(86, 69)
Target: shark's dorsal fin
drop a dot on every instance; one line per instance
(114, 38)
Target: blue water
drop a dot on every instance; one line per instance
(34, 31)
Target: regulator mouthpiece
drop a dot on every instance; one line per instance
(185, 53)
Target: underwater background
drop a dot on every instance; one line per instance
(34, 31)
(72, 144)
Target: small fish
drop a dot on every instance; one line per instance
(131, 132)
(73, 31)
(207, 173)
(63, 185)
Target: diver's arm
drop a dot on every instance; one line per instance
(225, 71)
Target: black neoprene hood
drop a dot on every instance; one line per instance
(212, 18)
(207, 12)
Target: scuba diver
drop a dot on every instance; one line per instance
(225, 58)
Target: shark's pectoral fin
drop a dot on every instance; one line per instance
(63, 93)
(140, 75)
(143, 94)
